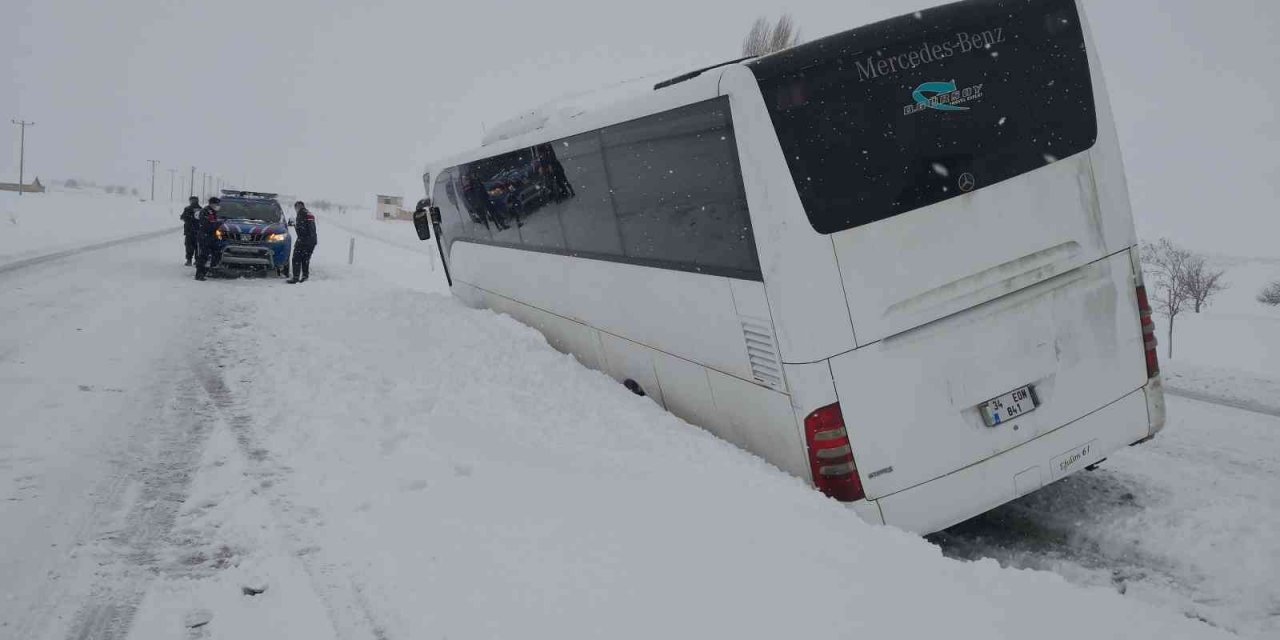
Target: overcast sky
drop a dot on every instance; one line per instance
(341, 99)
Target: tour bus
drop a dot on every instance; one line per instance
(898, 262)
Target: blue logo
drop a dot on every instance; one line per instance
(931, 95)
(942, 96)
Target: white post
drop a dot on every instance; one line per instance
(351, 252)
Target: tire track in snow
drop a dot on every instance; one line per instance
(129, 555)
(349, 610)
(51, 592)
(1043, 531)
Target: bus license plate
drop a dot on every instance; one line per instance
(1009, 406)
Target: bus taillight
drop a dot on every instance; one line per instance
(831, 455)
(1148, 333)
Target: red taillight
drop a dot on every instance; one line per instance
(1148, 333)
(831, 455)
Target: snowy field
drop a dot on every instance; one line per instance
(40, 224)
(362, 457)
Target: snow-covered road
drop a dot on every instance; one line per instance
(357, 458)
(101, 424)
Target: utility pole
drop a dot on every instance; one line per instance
(153, 178)
(191, 184)
(173, 173)
(22, 151)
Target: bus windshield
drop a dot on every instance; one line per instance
(909, 112)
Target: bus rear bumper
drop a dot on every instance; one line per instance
(949, 500)
(1154, 392)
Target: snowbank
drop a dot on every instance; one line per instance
(40, 224)
(459, 478)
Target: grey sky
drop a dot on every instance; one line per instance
(336, 99)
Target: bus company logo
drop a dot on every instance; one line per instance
(942, 96)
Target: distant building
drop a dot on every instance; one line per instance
(391, 208)
(34, 187)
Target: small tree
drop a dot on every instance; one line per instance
(765, 37)
(1167, 265)
(1271, 295)
(1203, 283)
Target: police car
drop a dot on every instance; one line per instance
(254, 234)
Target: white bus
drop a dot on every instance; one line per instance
(897, 262)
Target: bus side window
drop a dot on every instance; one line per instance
(678, 188)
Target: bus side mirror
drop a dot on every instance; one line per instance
(422, 222)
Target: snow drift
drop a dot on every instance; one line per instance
(467, 481)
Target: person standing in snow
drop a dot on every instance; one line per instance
(305, 225)
(189, 224)
(206, 238)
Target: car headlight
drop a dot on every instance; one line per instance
(218, 234)
(277, 237)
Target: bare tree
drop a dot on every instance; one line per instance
(1167, 265)
(1271, 295)
(1203, 283)
(766, 37)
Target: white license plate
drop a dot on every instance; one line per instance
(1009, 406)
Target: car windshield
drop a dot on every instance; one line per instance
(260, 211)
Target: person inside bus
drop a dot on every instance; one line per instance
(563, 188)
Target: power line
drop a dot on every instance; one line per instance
(22, 151)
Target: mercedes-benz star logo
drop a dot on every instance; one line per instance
(967, 182)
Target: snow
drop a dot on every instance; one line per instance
(558, 112)
(44, 223)
(1186, 522)
(389, 464)
(1236, 331)
(459, 478)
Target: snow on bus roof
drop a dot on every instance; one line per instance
(559, 113)
(561, 110)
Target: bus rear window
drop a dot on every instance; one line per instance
(909, 112)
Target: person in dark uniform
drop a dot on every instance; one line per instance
(305, 226)
(189, 224)
(206, 239)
